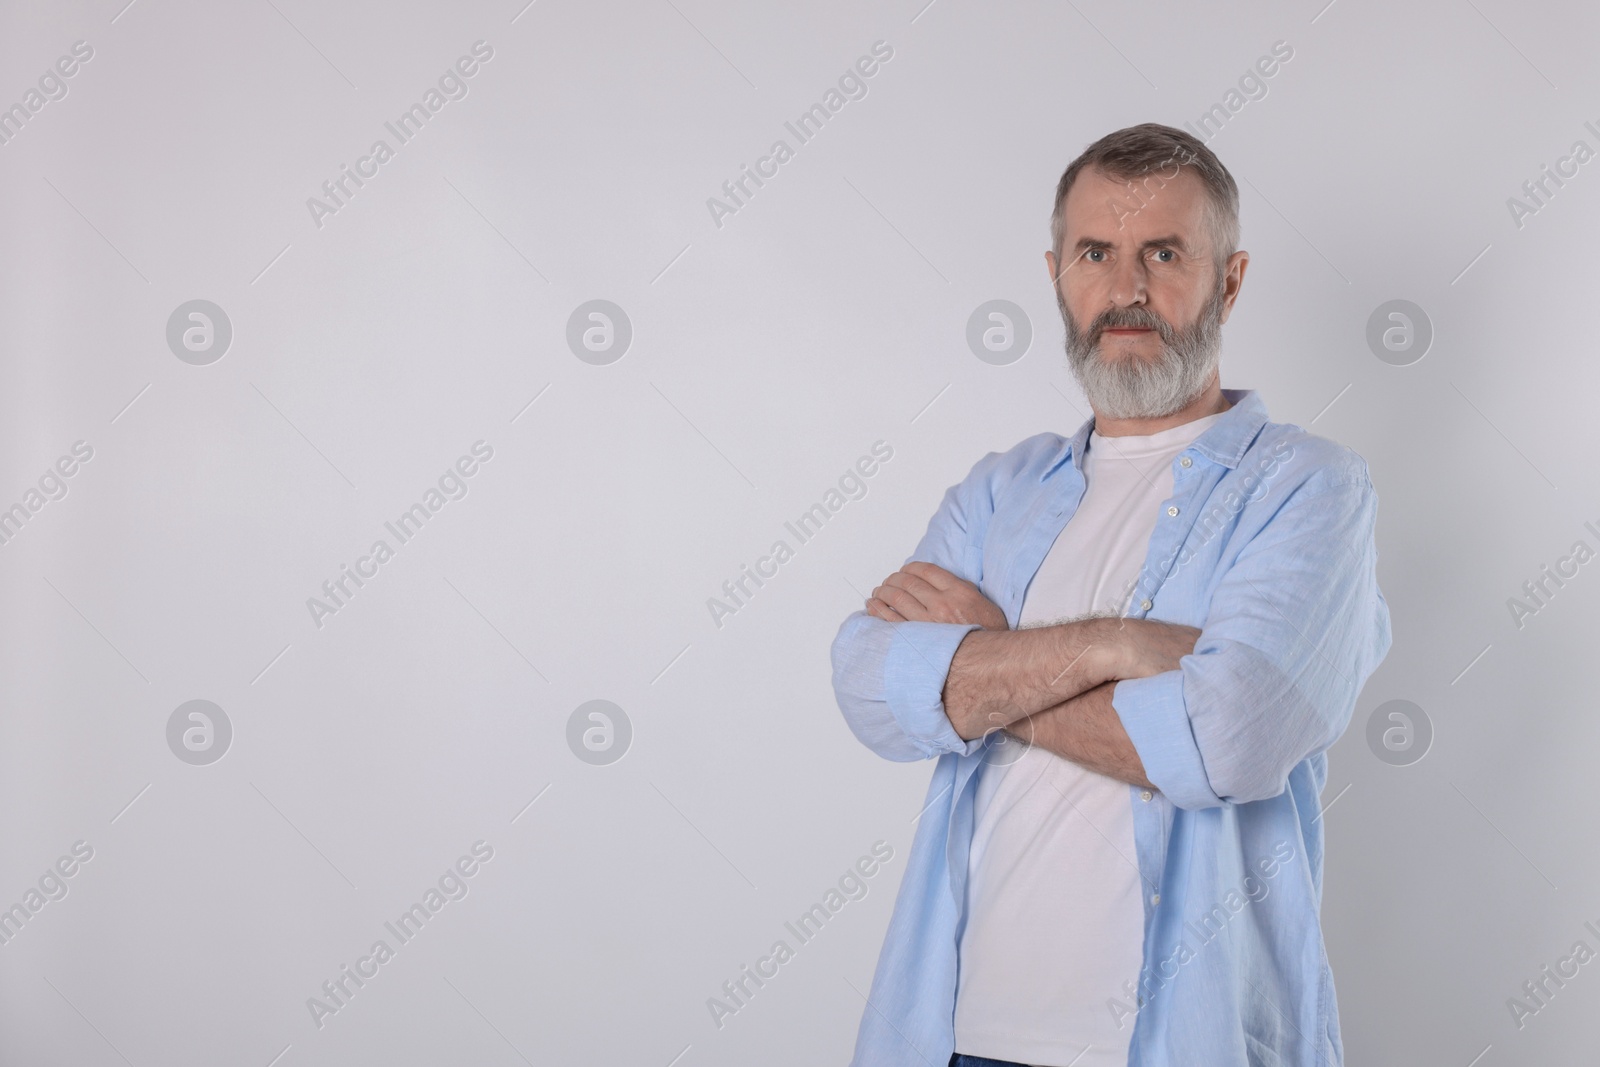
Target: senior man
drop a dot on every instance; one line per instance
(1129, 650)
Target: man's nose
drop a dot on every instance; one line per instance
(1128, 283)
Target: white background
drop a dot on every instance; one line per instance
(768, 354)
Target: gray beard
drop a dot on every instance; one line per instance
(1133, 387)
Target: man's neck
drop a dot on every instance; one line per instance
(1209, 402)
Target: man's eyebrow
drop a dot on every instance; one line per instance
(1170, 241)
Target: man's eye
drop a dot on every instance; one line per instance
(1089, 255)
(1166, 252)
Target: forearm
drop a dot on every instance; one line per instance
(1087, 731)
(999, 677)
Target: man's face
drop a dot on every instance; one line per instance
(1140, 295)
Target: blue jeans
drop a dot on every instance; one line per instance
(961, 1060)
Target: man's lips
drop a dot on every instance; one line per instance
(1127, 329)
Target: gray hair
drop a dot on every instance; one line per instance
(1137, 151)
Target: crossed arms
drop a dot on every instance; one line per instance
(1293, 625)
(1049, 686)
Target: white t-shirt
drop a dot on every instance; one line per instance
(1055, 919)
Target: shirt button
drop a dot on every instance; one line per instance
(1186, 461)
(1172, 510)
(1146, 795)
(1156, 899)
(1145, 604)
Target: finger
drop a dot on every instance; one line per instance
(931, 573)
(901, 600)
(920, 588)
(883, 611)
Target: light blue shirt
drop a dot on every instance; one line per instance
(1267, 546)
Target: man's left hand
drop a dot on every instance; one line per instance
(925, 592)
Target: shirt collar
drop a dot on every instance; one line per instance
(1224, 443)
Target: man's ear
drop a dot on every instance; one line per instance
(1050, 265)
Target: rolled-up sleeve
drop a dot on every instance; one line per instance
(888, 677)
(1294, 628)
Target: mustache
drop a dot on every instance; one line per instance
(1130, 318)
